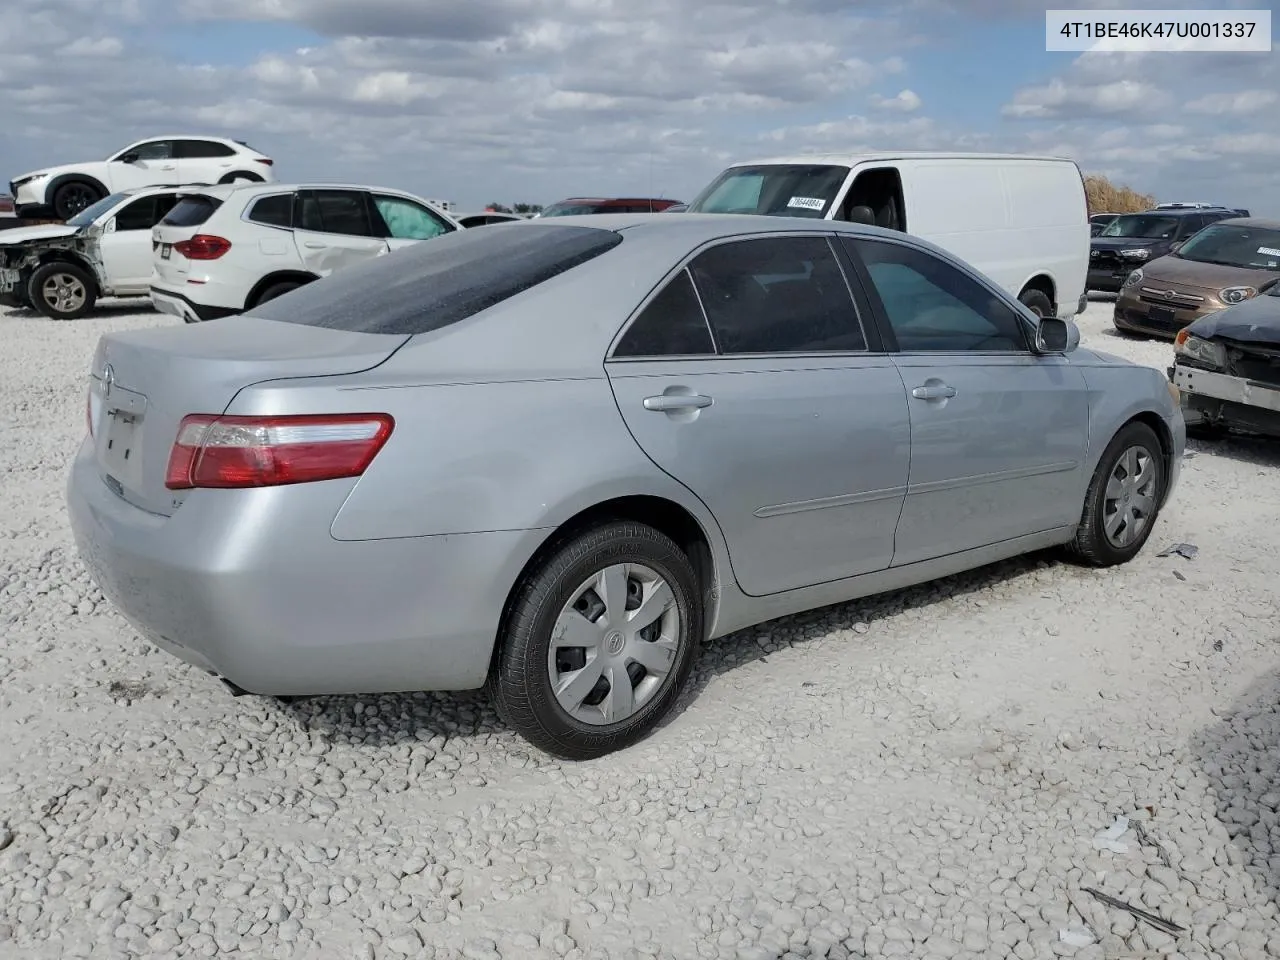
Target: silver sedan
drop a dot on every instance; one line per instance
(554, 458)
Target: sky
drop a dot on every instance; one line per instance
(479, 101)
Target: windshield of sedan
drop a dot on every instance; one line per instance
(1254, 248)
(1142, 225)
(95, 210)
(778, 190)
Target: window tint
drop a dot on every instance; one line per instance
(152, 150)
(406, 220)
(432, 285)
(671, 325)
(191, 211)
(139, 215)
(777, 295)
(202, 149)
(276, 211)
(334, 211)
(933, 306)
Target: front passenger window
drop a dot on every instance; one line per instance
(933, 307)
(139, 215)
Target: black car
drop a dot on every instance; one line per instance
(1132, 239)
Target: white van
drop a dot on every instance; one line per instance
(1023, 221)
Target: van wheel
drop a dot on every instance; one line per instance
(1037, 302)
(599, 641)
(62, 291)
(1124, 498)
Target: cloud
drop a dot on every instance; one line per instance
(906, 101)
(1239, 103)
(1058, 99)
(548, 98)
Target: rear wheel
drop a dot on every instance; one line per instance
(70, 198)
(599, 641)
(241, 176)
(1037, 301)
(277, 290)
(62, 291)
(1124, 498)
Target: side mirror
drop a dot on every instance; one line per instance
(109, 226)
(1055, 335)
(1173, 247)
(129, 158)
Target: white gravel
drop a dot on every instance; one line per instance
(921, 775)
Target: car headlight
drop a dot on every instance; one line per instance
(1134, 278)
(1236, 294)
(1136, 253)
(1196, 348)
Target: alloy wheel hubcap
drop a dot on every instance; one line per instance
(1130, 501)
(614, 644)
(64, 292)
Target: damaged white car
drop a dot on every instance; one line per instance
(61, 269)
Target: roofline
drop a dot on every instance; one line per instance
(873, 156)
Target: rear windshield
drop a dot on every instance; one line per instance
(191, 211)
(779, 190)
(439, 282)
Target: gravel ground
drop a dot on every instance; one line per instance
(919, 775)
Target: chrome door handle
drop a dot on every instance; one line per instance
(938, 391)
(313, 244)
(677, 401)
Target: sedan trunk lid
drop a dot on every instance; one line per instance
(143, 382)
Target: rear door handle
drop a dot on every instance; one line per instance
(677, 401)
(934, 391)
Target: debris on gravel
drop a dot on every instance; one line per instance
(921, 774)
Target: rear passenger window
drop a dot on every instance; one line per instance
(777, 295)
(202, 149)
(334, 211)
(274, 211)
(671, 325)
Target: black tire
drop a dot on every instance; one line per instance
(243, 176)
(62, 290)
(1037, 301)
(521, 684)
(277, 290)
(73, 196)
(1092, 545)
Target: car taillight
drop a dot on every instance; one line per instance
(229, 452)
(267, 161)
(203, 246)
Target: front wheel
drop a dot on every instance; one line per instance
(599, 641)
(62, 291)
(1123, 500)
(70, 198)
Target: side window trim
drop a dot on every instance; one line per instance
(882, 316)
(658, 288)
(871, 333)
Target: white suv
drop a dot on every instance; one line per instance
(103, 251)
(64, 191)
(225, 249)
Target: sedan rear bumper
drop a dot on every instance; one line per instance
(249, 585)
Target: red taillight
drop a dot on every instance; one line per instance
(203, 246)
(212, 451)
(267, 161)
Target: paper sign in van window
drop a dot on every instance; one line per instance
(1269, 251)
(807, 203)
